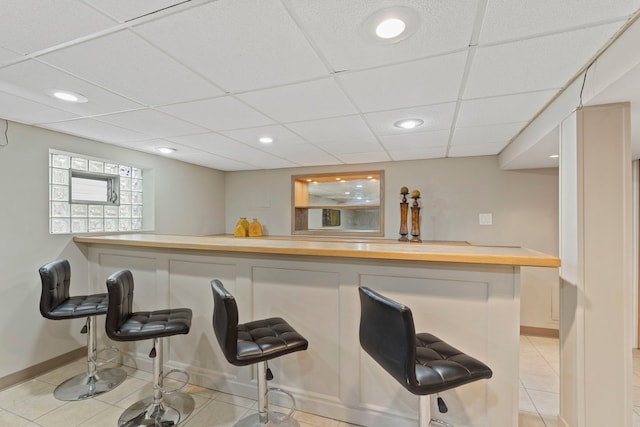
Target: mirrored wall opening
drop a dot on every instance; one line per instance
(345, 204)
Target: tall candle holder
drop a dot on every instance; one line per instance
(404, 209)
(415, 217)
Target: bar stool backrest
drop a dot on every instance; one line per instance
(225, 321)
(56, 279)
(387, 334)
(120, 287)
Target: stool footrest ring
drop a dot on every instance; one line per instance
(183, 382)
(112, 359)
(441, 422)
(278, 417)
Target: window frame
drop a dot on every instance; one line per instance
(113, 187)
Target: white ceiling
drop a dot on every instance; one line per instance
(210, 77)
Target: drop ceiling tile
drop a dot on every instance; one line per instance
(429, 81)
(27, 26)
(216, 162)
(151, 123)
(502, 109)
(268, 161)
(32, 80)
(535, 64)
(436, 117)
(418, 153)
(304, 101)
(188, 154)
(223, 113)
(508, 20)
(262, 48)
(337, 28)
(140, 71)
(220, 145)
(7, 56)
(415, 141)
(335, 129)
(486, 134)
(282, 137)
(42, 116)
(125, 10)
(286, 151)
(152, 145)
(311, 156)
(483, 149)
(372, 157)
(29, 112)
(93, 129)
(350, 146)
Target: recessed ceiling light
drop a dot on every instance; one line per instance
(408, 123)
(68, 96)
(390, 28)
(266, 139)
(390, 25)
(554, 156)
(166, 150)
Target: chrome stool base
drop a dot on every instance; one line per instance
(163, 409)
(254, 420)
(85, 386)
(174, 408)
(265, 416)
(95, 381)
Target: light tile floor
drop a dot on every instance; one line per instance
(32, 404)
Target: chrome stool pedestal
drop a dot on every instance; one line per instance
(94, 382)
(163, 408)
(265, 415)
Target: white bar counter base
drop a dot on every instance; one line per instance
(467, 295)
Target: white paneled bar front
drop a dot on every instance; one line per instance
(467, 295)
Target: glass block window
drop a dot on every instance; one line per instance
(70, 216)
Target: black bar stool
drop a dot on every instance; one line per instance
(56, 304)
(422, 363)
(254, 342)
(123, 324)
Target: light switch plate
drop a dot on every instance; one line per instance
(485, 219)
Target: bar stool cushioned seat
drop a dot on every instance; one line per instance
(422, 363)
(57, 304)
(124, 324)
(253, 342)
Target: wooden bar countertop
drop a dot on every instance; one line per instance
(455, 252)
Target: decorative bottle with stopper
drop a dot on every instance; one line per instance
(415, 217)
(242, 228)
(404, 209)
(255, 228)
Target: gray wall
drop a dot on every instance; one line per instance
(194, 200)
(454, 191)
(188, 200)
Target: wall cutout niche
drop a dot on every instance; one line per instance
(344, 204)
